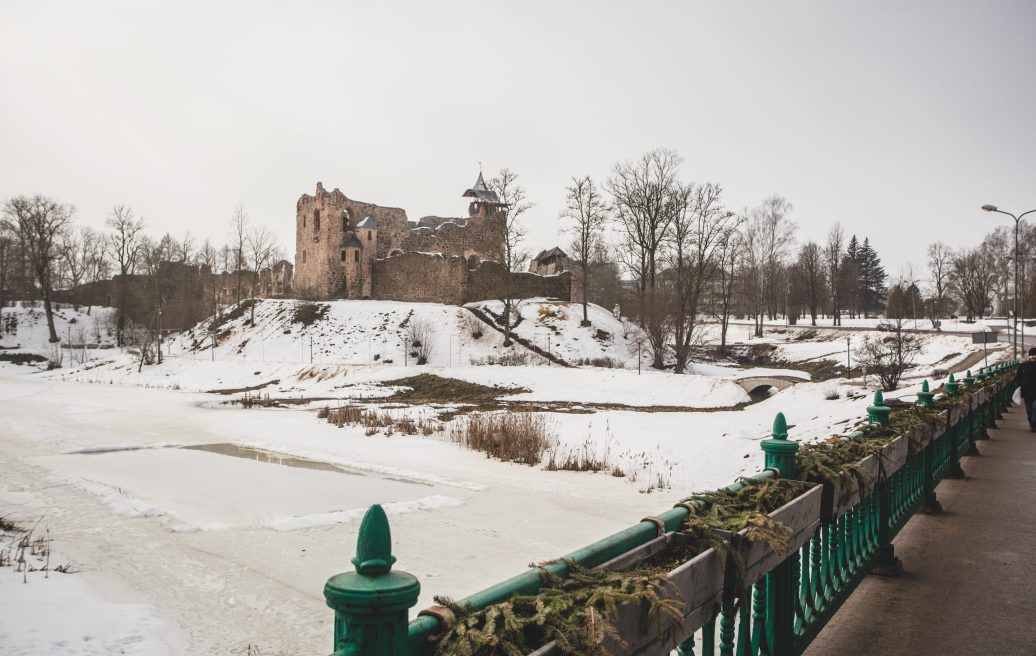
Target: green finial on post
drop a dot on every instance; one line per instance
(779, 450)
(969, 380)
(951, 386)
(925, 398)
(371, 603)
(982, 375)
(878, 413)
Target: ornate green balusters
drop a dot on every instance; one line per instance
(708, 638)
(782, 585)
(952, 437)
(759, 616)
(726, 627)
(371, 603)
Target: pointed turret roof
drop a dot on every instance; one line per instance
(368, 222)
(481, 191)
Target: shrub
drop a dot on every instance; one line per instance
(471, 325)
(419, 333)
(521, 437)
(606, 362)
(512, 359)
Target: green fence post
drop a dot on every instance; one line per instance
(969, 380)
(782, 584)
(951, 386)
(371, 603)
(886, 562)
(925, 399)
(879, 413)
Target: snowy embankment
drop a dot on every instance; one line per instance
(356, 345)
(554, 326)
(23, 328)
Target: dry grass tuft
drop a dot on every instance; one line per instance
(522, 437)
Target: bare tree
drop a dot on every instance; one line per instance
(645, 201)
(260, 247)
(8, 242)
(186, 248)
(586, 214)
(239, 245)
(79, 253)
(768, 235)
(124, 241)
(698, 231)
(39, 222)
(888, 355)
(833, 254)
(940, 268)
(511, 195)
(728, 257)
(811, 274)
(973, 277)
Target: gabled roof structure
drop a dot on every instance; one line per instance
(367, 223)
(482, 192)
(551, 252)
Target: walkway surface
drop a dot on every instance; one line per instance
(969, 581)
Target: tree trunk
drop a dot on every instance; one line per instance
(50, 315)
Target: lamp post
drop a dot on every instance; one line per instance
(1020, 337)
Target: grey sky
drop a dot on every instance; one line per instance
(896, 119)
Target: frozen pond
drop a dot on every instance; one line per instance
(200, 487)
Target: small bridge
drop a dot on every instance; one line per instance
(754, 383)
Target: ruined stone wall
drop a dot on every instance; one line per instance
(486, 282)
(323, 224)
(481, 236)
(420, 277)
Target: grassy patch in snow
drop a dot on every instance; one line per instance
(309, 313)
(21, 358)
(429, 388)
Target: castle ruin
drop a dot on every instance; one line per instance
(354, 250)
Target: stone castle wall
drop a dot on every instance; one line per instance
(421, 277)
(434, 278)
(481, 237)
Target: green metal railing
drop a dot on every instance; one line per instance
(778, 615)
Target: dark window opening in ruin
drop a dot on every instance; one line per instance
(342, 256)
(356, 256)
(368, 235)
(303, 257)
(316, 220)
(345, 222)
(303, 220)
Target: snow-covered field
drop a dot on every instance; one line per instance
(204, 527)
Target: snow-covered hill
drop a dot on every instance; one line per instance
(23, 328)
(342, 332)
(554, 326)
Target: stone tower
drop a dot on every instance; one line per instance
(486, 203)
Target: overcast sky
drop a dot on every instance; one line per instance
(898, 119)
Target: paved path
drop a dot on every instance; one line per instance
(969, 585)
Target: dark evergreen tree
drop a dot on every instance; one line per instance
(871, 288)
(851, 278)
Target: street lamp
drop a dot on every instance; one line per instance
(1018, 307)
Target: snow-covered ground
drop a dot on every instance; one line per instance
(187, 550)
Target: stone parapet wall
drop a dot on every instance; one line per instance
(480, 236)
(433, 278)
(489, 279)
(420, 278)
